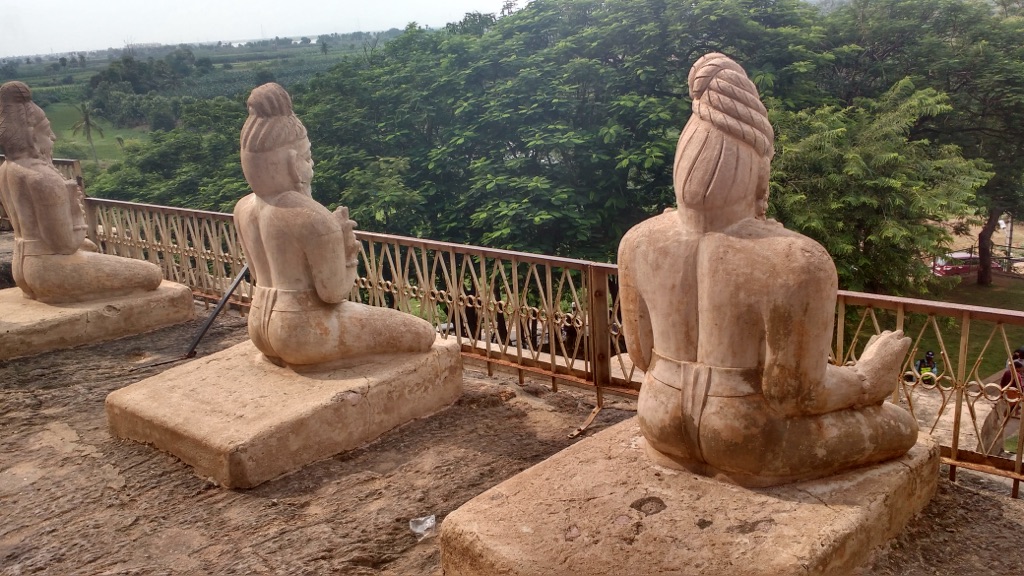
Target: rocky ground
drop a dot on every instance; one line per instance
(73, 500)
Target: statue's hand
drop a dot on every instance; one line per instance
(880, 364)
(348, 230)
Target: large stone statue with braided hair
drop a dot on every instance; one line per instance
(321, 375)
(53, 261)
(731, 317)
(302, 256)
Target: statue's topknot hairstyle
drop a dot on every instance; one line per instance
(271, 123)
(17, 113)
(723, 154)
(724, 96)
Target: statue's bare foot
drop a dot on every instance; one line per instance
(880, 364)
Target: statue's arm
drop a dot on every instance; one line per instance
(239, 215)
(636, 319)
(798, 379)
(49, 194)
(333, 259)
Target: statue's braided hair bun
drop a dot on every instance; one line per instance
(272, 122)
(15, 98)
(724, 96)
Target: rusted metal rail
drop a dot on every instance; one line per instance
(559, 318)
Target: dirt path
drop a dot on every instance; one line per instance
(75, 501)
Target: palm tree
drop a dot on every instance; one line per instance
(87, 125)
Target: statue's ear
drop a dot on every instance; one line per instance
(293, 164)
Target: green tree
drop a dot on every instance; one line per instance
(380, 201)
(876, 197)
(86, 124)
(968, 49)
(193, 165)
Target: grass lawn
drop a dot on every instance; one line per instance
(63, 117)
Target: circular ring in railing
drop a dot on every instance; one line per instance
(532, 312)
(462, 299)
(558, 318)
(380, 284)
(974, 389)
(389, 286)
(362, 282)
(1012, 394)
(433, 295)
(449, 297)
(577, 321)
(993, 391)
(615, 328)
(945, 382)
(478, 302)
(407, 292)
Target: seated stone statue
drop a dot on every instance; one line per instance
(303, 257)
(53, 260)
(731, 317)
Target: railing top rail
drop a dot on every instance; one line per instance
(933, 307)
(161, 209)
(56, 161)
(910, 305)
(479, 250)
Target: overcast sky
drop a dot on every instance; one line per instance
(57, 26)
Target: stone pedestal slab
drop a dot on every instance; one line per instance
(241, 420)
(601, 508)
(29, 327)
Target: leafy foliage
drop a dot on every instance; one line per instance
(969, 49)
(195, 165)
(857, 181)
(552, 128)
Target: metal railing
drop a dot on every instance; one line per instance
(559, 317)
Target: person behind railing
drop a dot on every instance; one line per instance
(927, 368)
(303, 257)
(53, 260)
(731, 317)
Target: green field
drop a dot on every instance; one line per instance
(63, 117)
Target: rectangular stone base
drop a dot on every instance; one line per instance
(29, 327)
(601, 508)
(241, 420)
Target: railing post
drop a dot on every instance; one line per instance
(958, 387)
(840, 328)
(91, 221)
(597, 327)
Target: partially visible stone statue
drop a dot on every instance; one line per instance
(731, 317)
(302, 256)
(53, 261)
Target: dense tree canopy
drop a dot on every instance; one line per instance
(551, 129)
(971, 50)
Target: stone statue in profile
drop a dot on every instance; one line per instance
(731, 316)
(53, 261)
(303, 257)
